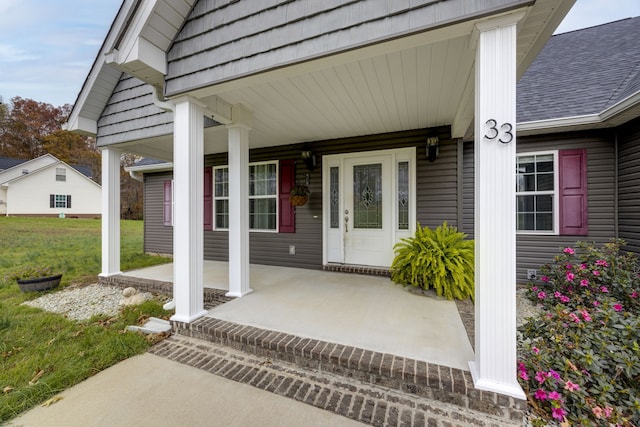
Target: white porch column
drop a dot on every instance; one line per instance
(188, 171)
(239, 202)
(494, 368)
(110, 212)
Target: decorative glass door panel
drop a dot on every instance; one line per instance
(367, 222)
(367, 196)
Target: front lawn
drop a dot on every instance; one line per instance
(42, 354)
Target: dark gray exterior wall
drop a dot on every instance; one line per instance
(629, 185)
(131, 115)
(223, 40)
(533, 251)
(435, 198)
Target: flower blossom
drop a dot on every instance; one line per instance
(596, 273)
(564, 298)
(584, 282)
(558, 413)
(541, 376)
(540, 394)
(608, 411)
(602, 263)
(597, 411)
(544, 279)
(554, 374)
(535, 349)
(569, 251)
(554, 395)
(634, 294)
(571, 386)
(575, 318)
(542, 295)
(583, 266)
(585, 315)
(617, 307)
(570, 277)
(604, 289)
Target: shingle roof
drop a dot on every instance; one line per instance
(582, 72)
(8, 162)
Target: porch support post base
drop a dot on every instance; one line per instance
(513, 390)
(110, 212)
(239, 202)
(188, 190)
(494, 368)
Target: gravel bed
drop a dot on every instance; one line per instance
(82, 303)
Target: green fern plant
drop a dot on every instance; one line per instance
(440, 259)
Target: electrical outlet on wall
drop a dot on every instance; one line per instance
(292, 249)
(531, 274)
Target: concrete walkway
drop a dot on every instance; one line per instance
(152, 391)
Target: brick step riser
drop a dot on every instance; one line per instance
(428, 380)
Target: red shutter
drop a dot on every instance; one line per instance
(287, 218)
(166, 203)
(572, 165)
(208, 199)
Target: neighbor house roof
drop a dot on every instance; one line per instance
(584, 77)
(8, 162)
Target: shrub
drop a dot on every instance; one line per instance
(441, 259)
(580, 359)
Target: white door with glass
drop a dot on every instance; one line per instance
(369, 204)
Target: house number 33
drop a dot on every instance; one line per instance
(503, 132)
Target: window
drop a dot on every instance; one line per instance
(403, 196)
(551, 192)
(535, 192)
(61, 174)
(60, 201)
(263, 196)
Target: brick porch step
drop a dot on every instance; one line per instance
(367, 403)
(413, 378)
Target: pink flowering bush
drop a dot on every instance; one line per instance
(579, 360)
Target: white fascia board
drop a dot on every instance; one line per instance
(558, 123)
(625, 104)
(97, 70)
(158, 167)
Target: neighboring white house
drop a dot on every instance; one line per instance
(47, 186)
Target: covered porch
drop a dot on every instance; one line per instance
(368, 312)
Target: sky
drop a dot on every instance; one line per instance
(47, 47)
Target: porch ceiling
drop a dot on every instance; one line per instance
(417, 81)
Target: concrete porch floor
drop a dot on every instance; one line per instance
(368, 312)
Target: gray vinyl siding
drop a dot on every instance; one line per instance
(157, 237)
(131, 115)
(223, 40)
(436, 199)
(533, 251)
(629, 185)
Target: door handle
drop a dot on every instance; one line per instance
(346, 220)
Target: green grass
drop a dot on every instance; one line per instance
(33, 341)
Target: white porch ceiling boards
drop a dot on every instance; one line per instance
(408, 89)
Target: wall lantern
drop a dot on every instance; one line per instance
(432, 148)
(309, 159)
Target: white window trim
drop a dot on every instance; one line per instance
(55, 201)
(556, 198)
(276, 197)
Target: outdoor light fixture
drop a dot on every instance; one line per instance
(432, 148)
(309, 159)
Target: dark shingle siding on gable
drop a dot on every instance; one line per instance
(130, 114)
(582, 72)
